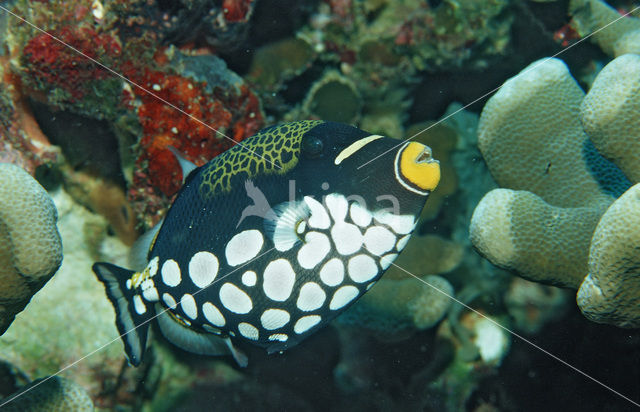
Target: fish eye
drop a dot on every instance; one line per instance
(312, 146)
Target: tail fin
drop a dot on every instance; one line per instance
(132, 314)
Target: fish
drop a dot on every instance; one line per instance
(272, 239)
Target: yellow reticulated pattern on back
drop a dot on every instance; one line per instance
(274, 150)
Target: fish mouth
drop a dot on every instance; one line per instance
(426, 156)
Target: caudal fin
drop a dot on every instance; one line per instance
(132, 314)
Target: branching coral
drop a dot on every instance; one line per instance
(539, 136)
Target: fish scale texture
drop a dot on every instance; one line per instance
(30, 245)
(566, 162)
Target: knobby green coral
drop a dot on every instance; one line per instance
(30, 245)
(597, 17)
(52, 394)
(563, 160)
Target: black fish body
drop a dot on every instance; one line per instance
(272, 239)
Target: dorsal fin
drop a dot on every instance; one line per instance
(139, 252)
(186, 166)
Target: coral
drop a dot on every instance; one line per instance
(53, 73)
(217, 98)
(595, 16)
(222, 25)
(30, 246)
(80, 310)
(609, 114)
(54, 394)
(531, 137)
(333, 98)
(456, 33)
(21, 140)
(611, 291)
(565, 221)
(518, 230)
(51, 65)
(275, 63)
(72, 318)
(123, 38)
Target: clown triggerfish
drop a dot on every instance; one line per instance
(272, 239)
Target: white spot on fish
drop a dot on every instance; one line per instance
(347, 238)
(311, 297)
(362, 268)
(153, 266)
(402, 242)
(343, 296)
(188, 304)
(171, 273)
(319, 218)
(211, 329)
(248, 331)
(169, 300)
(359, 215)
(213, 314)
(386, 260)
(314, 250)
(305, 323)
(139, 305)
(203, 268)
(282, 337)
(338, 206)
(274, 318)
(401, 224)
(279, 278)
(249, 278)
(378, 240)
(234, 299)
(243, 247)
(150, 294)
(332, 273)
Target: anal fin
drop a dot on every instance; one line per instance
(201, 343)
